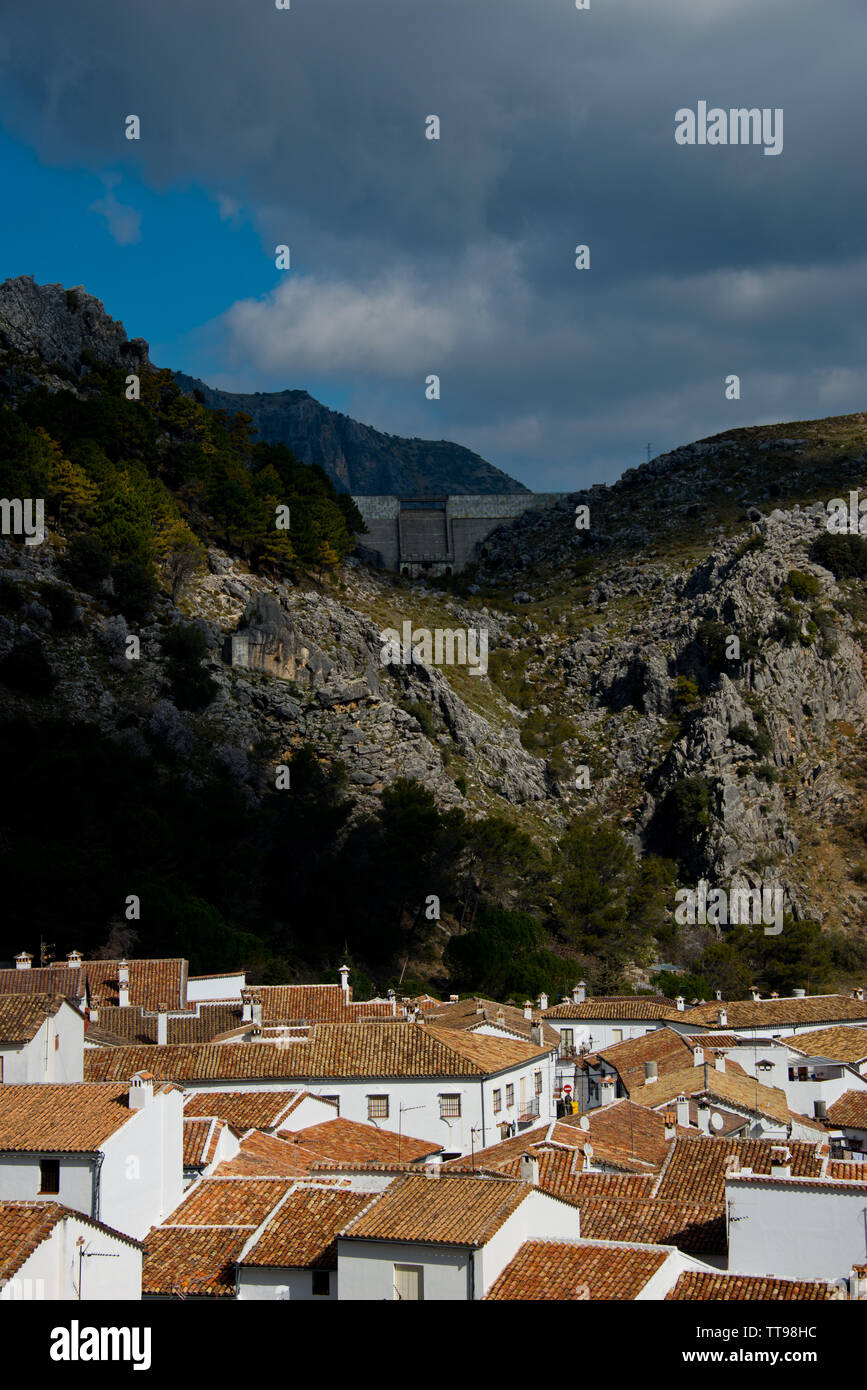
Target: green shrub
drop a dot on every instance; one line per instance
(87, 564)
(801, 586)
(758, 739)
(844, 556)
(421, 713)
(754, 542)
(685, 692)
(26, 670)
(134, 589)
(60, 603)
(185, 645)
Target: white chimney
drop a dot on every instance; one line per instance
(670, 1125)
(392, 999)
(858, 1283)
(536, 1034)
(454, 998)
(22, 960)
(123, 984)
(704, 1118)
(755, 993)
(162, 1025)
(93, 1012)
(141, 1090)
(722, 1018)
(529, 1168)
(579, 993)
(858, 993)
(697, 1056)
(343, 972)
(799, 994)
(607, 1089)
(651, 1073)
(246, 1006)
(543, 1001)
(680, 1003)
(717, 994)
(73, 960)
(256, 1009)
(528, 1009)
(683, 1111)
(719, 1061)
(781, 1162)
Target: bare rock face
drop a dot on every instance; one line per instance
(60, 324)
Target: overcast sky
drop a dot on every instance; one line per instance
(456, 257)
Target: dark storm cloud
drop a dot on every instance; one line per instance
(456, 257)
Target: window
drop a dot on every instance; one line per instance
(450, 1107)
(49, 1175)
(617, 1035)
(510, 1096)
(377, 1107)
(321, 1283)
(409, 1282)
(567, 1039)
(537, 1077)
(498, 1102)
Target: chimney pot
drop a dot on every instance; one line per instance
(536, 1033)
(543, 1001)
(141, 1090)
(529, 1167)
(858, 993)
(23, 960)
(680, 1003)
(799, 994)
(123, 984)
(607, 1089)
(682, 1111)
(343, 972)
(73, 960)
(722, 1018)
(579, 993)
(698, 1056)
(454, 998)
(528, 1008)
(162, 1025)
(704, 1117)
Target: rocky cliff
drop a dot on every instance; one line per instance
(358, 458)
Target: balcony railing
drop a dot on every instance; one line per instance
(529, 1110)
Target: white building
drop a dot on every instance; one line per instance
(113, 1152)
(444, 1237)
(458, 1090)
(41, 1039)
(795, 1227)
(50, 1252)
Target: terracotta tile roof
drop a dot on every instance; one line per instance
(696, 1286)
(263, 1155)
(22, 1015)
(637, 1008)
(303, 1003)
(694, 1227)
(151, 982)
(68, 1118)
(731, 1087)
(496, 1156)
(472, 1013)
(25, 1225)
(718, 1042)
(839, 1044)
(847, 1170)
(48, 979)
(246, 1109)
(302, 1234)
(135, 1025)
(563, 1270)
(561, 1173)
(628, 1129)
(200, 1141)
(781, 1013)
(696, 1168)
(447, 1210)
(332, 1050)
(183, 1262)
(850, 1111)
(344, 1141)
(234, 1201)
(663, 1046)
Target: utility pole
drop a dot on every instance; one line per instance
(648, 453)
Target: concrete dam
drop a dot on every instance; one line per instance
(438, 535)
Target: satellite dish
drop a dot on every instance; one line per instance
(585, 1122)
(588, 1150)
(717, 1121)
